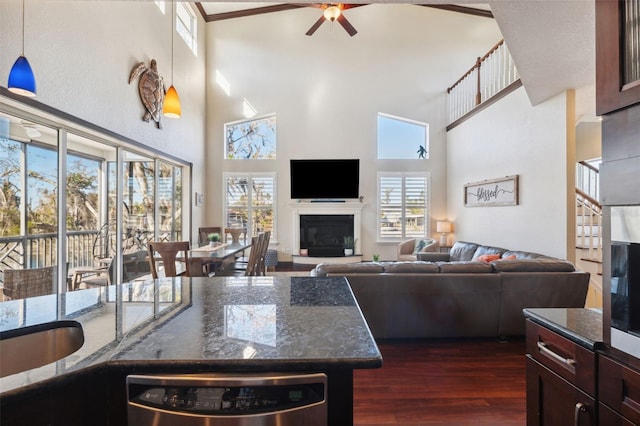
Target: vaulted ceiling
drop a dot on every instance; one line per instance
(551, 41)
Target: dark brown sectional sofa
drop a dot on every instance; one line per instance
(456, 295)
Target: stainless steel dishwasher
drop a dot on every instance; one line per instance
(275, 399)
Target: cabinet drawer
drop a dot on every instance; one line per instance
(569, 360)
(608, 417)
(619, 388)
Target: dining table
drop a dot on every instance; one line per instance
(205, 260)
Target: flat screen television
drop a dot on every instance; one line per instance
(325, 179)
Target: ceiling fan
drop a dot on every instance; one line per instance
(333, 12)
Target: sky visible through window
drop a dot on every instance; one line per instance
(400, 138)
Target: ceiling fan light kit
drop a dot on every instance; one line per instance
(331, 13)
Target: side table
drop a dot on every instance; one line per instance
(444, 249)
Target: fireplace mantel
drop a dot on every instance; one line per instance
(328, 208)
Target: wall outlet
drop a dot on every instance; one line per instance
(287, 250)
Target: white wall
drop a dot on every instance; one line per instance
(588, 141)
(327, 90)
(513, 138)
(82, 54)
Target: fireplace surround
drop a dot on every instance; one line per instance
(352, 209)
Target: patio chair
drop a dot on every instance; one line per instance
(23, 283)
(168, 252)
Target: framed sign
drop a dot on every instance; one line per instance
(199, 199)
(495, 192)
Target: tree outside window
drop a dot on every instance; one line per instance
(250, 202)
(251, 139)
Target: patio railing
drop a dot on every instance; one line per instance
(35, 251)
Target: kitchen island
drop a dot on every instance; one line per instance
(239, 325)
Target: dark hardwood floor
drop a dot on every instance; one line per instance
(479, 382)
(444, 382)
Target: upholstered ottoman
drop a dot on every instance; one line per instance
(271, 259)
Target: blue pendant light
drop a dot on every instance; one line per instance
(21, 78)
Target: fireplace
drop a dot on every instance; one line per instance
(323, 235)
(302, 208)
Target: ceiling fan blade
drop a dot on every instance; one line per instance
(346, 25)
(315, 26)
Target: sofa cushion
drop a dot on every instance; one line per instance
(462, 250)
(482, 250)
(411, 267)
(465, 267)
(533, 265)
(422, 244)
(433, 257)
(524, 255)
(323, 269)
(488, 257)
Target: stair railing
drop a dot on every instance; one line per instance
(588, 179)
(491, 74)
(589, 235)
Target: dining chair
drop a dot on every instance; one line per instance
(23, 283)
(204, 231)
(168, 252)
(256, 263)
(262, 267)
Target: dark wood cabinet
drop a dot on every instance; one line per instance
(617, 61)
(551, 400)
(561, 385)
(609, 417)
(619, 389)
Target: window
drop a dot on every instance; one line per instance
(251, 139)
(250, 202)
(403, 205)
(33, 191)
(401, 138)
(187, 25)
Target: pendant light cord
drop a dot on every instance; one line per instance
(173, 16)
(23, 20)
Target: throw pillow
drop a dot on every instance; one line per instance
(488, 257)
(420, 244)
(513, 256)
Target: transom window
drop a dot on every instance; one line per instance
(403, 205)
(250, 202)
(187, 25)
(402, 138)
(251, 139)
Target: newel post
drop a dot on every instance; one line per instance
(478, 94)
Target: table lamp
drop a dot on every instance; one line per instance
(443, 227)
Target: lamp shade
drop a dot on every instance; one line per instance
(443, 226)
(171, 107)
(21, 78)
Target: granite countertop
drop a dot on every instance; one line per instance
(296, 323)
(580, 325)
